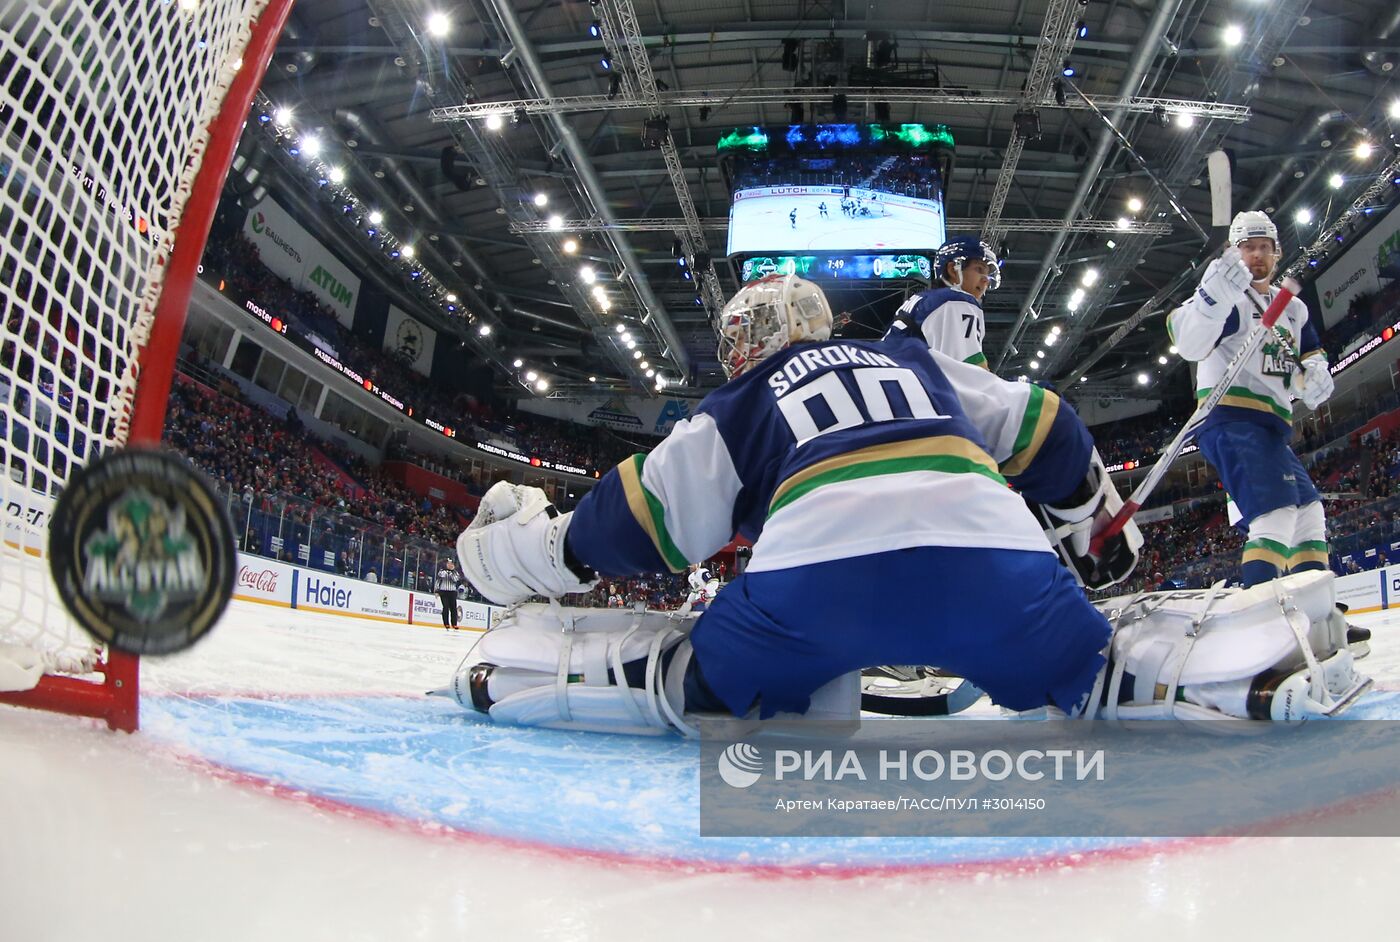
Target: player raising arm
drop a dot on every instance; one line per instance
(949, 317)
(1245, 438)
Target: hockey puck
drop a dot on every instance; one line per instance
(142, 551)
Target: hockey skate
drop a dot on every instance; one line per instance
(1358, 638)
(1276, 651)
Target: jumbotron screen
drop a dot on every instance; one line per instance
(829, 191)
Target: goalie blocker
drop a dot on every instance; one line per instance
(1272, 652)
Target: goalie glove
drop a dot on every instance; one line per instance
(1070, 525)
(514, 548)
(1225, 280)
(1315, 382)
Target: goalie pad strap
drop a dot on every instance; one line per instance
(1276, 651)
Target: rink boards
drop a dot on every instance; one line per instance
(270, 582)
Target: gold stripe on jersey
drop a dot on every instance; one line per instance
(1039, 416)
(944, 453)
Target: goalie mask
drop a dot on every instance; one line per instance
(766, 317)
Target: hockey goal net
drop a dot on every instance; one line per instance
(119, 121)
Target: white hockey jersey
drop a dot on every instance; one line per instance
(839, 449)
(1261, 393)
(949, 320)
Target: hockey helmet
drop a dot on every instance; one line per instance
(699, 577)
(1252, 224)
(961, 249)
(766, 317)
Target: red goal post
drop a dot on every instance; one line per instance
(119, 122)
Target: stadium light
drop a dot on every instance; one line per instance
(621, 327)
(632, 345)
(337, 175)
(542, 384)
(376, 217)
(310, 145)
(439, 25)
(588, 274)
(1336, 181)
(1162, 361)
(1173, 350)
(283, 117)
(408, 251)
(1035, 365)
(593, 379)
(452, 299)
(494, 122)
(646, 365)
(1185, 119)
(1394, 110)
(661, 382)
(556, 222)
(570, 246)
(1232, 35)
(1090, 277)
(519, 363)
(541, 199)
(1364, 150)
(1040, 354)
(636, 354)
(484, 330)
(1143, 379)
(1303, 216)
(1123, 222)
(1134, 204)
(532, 376)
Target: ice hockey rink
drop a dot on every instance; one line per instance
(762, 222)
(291, 780)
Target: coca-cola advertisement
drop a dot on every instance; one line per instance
(263, 580)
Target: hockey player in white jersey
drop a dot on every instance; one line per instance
(1246, 436)
(949, 317)
(703, 589)
(872, 479)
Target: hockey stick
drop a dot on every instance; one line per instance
(1256, 336)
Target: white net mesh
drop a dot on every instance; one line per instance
(104, 111)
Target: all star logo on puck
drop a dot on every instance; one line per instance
(142, 551)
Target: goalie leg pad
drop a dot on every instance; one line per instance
(568, 668)
(601, 670)
(1275, 651)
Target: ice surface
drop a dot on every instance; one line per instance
(291, 780)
